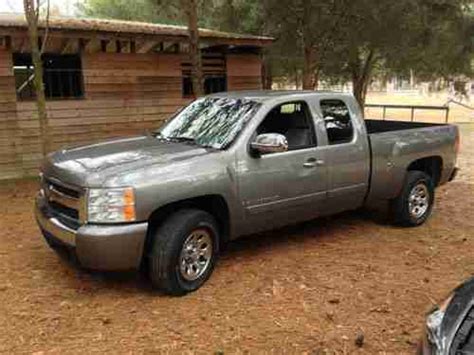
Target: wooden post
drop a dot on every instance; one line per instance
(103, 45)
(8, 43)
(412, 113)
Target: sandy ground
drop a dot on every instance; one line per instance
(313, 288)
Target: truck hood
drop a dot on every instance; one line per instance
(94, 165)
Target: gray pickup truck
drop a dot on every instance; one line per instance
(229, 165)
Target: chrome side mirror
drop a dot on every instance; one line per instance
(270, 143)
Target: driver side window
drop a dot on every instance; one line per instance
(294, 121)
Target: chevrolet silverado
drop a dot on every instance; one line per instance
(229, 165)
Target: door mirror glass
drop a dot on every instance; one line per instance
(270, 143)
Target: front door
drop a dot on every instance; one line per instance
(281, 188)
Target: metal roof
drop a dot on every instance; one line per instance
(130, 28)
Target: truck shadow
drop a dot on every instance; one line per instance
(322, 230)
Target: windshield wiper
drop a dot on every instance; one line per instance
(190, 141)
(159, 135)
(183, 139)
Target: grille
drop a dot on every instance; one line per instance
(65, 211)
(64, 201)
(463, 342)
(63, 189)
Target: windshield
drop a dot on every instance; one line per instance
(210, 122)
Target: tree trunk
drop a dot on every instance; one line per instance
(267, 79)
(190, 7)
(361, 70)
(32, 15)
(359, 92)
(232, 21)
(297, 79)
(308, 68)
(316, 79)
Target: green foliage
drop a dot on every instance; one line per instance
(243, 16)
(355, 40)
(440, 42)
(136, 10)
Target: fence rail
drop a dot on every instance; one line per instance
(412, 108)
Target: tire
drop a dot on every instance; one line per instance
(417, 184)
(175, 269)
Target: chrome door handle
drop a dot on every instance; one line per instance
(311, 163)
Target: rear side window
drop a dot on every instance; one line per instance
(337, 120)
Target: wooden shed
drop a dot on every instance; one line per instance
(107, 78)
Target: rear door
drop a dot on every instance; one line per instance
(347, 155)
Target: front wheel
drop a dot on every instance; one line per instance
(414, 204)
(184, 251)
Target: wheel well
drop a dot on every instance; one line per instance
(213, 204)
(432, 166)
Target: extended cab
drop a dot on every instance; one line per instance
(234, 164)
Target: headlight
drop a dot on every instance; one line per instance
(111, 205)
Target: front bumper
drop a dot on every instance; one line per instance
(96, 247)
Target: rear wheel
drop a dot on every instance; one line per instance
(414, 204)
(184, 251)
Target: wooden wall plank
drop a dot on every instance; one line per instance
(10, 131)
(244, 65)
(125, 94)
(244, 72)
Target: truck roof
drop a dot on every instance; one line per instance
(265, 95)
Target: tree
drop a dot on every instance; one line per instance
(190, 8)
(137, 10)
(306, 30)
(32, 15)
(398, 37)
(445, 48)
(373, 31)
(187, 11)
(242, 16)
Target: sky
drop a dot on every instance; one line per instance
(64, 7)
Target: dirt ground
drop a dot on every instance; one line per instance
(313, 288)
(457, 113)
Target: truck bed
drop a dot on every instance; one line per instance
(394, 145)
(381, 126)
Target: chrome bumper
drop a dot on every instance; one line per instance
(97, 247)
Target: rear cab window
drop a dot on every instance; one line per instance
(337, 121)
